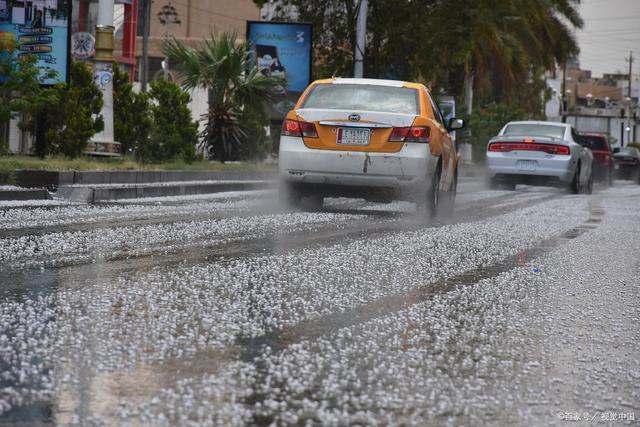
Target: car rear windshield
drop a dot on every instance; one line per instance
(531, 129)
(364, 98)
(593, 142)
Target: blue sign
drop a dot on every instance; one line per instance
(38, 28)
(283, 49)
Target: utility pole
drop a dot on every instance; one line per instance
(103, 76)
(629, 100)
(361, 35)
(630, 61)
(563, 99)
(144, 75)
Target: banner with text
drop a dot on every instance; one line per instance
(40, 28)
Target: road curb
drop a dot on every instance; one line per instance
(32, 194)
(94, 194)
(31, 178)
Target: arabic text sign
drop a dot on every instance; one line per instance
(40, 28)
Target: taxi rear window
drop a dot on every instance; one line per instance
(359, 97)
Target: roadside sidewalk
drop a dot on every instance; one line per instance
(101, 186)
(98, 186)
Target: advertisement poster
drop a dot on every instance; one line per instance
(283, 49)
(40, 28)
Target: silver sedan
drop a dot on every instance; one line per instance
(539, 153)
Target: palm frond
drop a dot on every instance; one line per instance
(186, 61)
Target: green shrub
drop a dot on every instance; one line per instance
(131, 119)
(484, 124)
(71, 117)
(21, 91)
(174, 134)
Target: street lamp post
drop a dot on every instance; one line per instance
(103, 142)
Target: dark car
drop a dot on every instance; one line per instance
(627, 163)
(602, 155)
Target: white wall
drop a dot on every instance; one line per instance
(606, 125)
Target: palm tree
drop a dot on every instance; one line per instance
(236, 88)
(511, 38)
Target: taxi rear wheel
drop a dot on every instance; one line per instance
(290, 195)
(314, 203)
(427, 204)
(448, 202)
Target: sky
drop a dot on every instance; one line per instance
(611, 30)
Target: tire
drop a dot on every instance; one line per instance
(427, 204)
(492, 183)
(575, 187)
(509, 186)
(289, 195)
(589, 189)
(314, 203)
(448, 203)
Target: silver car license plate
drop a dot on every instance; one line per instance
(353, 136)
(527, 165)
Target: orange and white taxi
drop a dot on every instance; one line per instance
(380, 140)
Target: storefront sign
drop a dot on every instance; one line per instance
(283, 49)
(83, 45)
(40, 28)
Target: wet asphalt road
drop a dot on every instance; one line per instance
(520, 309)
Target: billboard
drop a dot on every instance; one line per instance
(283, 49)
(40, 28)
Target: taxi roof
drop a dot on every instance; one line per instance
(374, 82)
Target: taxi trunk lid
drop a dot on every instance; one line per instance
(354, 130)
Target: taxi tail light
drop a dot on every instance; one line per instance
(505, 147)
(299, 129)
(410, 134)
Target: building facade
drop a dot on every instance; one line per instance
(191, 21)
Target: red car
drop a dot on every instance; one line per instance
(602, 155)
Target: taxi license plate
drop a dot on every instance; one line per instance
(527, 165)
(351, 136)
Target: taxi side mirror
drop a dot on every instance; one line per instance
(455, 124)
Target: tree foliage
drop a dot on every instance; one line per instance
(503, 44)
(237, 92)
(131, 119)
(174, 134)
(72, 116)
(21, 93)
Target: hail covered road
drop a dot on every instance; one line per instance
(520, 309)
